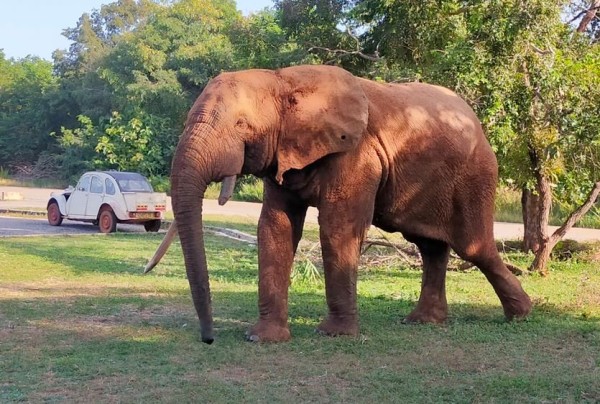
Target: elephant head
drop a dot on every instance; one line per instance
(258, 122)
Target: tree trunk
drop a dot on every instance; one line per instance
(542, 257)
(536, 207)
(529, 206)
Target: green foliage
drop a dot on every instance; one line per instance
(260, 42)
(133, 145)
(142, 64)
(250, 190)
(160, 183)
(78, 148)
(127, 145)
(26, 116)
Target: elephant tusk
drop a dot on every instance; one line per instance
(162, 248)
(227, 186)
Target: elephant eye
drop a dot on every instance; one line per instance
(243, 125)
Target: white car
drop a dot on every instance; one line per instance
(106, 198)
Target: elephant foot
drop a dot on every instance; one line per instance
(429, 316)
(516, 309)
(268, 332)
(334, 326)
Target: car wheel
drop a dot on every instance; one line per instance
(152, 225)
(107, 221)
(54, 216)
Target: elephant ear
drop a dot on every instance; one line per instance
(325, 112)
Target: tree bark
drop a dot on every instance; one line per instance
(529, 207)
(542, 255)
(590, 14)
(536, 207)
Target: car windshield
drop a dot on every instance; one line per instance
(131, 182)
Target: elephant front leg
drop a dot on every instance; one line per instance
(341, 240)
(279, 232)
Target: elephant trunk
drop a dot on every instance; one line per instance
(191, 234)
(227, 187)
(197, 163)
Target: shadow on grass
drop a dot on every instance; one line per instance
(235, 312)
(128, 254)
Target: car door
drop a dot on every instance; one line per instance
(77, 202)
(95, 197)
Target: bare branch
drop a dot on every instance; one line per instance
(541, 51)
(576, 215)
(343, 52)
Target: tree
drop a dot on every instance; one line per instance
(135, 80)
(324, 32)
(26, 116)
(260, 42)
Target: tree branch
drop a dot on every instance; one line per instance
(343, 52)
(576, 214)
(590, 14)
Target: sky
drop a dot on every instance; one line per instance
(34, 27)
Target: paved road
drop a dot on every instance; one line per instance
(37, 198)
(16, 226)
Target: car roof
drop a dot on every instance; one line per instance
(120, 175)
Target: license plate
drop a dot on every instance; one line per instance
(145, 215)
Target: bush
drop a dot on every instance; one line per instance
(160, 183)
(251, 191)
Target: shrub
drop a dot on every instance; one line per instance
(250, 191)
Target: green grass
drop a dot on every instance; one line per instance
(7, 181)
(79, 322)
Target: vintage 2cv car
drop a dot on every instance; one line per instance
(106, 198)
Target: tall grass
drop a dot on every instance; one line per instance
(508, 209)
(4, 174)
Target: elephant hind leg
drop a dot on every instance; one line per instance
(482, 252)
(432, 306)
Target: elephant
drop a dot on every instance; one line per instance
(409, 158)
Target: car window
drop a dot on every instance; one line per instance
(84, 183)
(110, 187)
(134, 185)
(96, 187)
